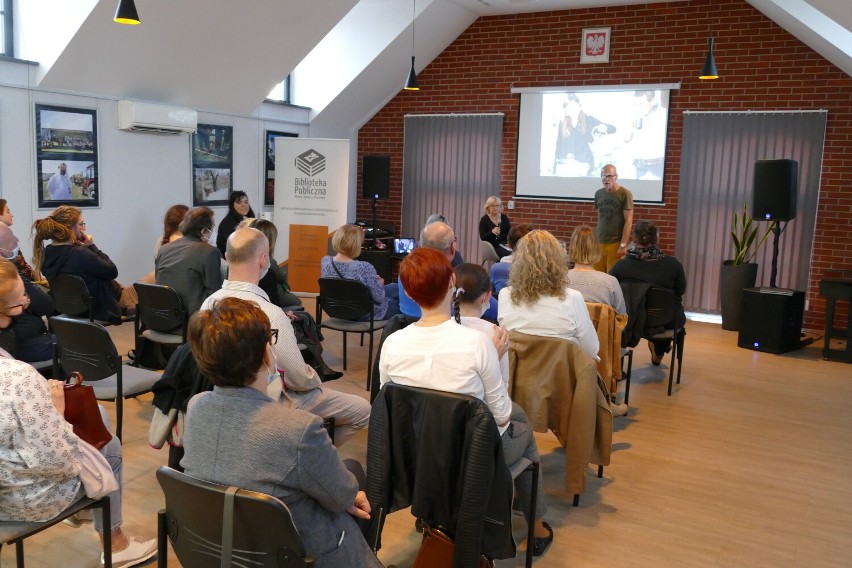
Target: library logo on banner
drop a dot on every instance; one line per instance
(311, 162)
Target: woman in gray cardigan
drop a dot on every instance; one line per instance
(236, 435)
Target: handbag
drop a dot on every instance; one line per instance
(166, 428)
(437, 548)
(81, 411)
(95, 472)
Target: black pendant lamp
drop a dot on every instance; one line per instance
(709, 70)
(411, 82)
(126, 13)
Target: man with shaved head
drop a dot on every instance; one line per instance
(248, 258)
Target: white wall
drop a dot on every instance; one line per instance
(140, 175)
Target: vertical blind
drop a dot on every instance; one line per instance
(451, 164)
(717, 177)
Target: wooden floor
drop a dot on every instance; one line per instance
(747, 464)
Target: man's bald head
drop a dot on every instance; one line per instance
(246, 246)
(439, 236)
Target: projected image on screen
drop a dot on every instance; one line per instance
(565, 139)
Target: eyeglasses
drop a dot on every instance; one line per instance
(83, 224)
(609, 176)
(25, 302)
(273, 336)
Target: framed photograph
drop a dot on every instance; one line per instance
(212, 164)
(66, 157)
(594, 47)
(269, 190)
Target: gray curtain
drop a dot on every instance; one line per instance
(717, 177)
(451, 164)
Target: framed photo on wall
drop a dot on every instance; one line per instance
(66, 157)
(212, 164)
(594, 47)
(269, 188)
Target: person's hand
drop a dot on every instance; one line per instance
(292, 316)
(361, 508)
(380, 279)
(622, 250)
(87, 240)
(57, 395)
(496, 231)
(501, 340)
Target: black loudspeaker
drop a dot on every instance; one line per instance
(771, 319)
(776, 183)
(375, 177)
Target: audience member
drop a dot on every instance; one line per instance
(238, 209)
(594, 285)
(500, 270)
(537, 300)
(274, 283)
(40, 457)
(248, 259)
(189, 264)
(14, 254)
(494, 226)
(647, 263)
(347, 241)
(171, 226)
(438, 218)
(437, 353)
(73, 251)
(614, 204)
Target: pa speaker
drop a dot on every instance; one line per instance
(776, 183)
(771, 319)
(375, 177)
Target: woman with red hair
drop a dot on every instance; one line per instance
(437, 353)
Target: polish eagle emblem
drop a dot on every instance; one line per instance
(595, 44)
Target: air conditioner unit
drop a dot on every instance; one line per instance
(159, 119)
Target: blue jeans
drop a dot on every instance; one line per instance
(112, 453)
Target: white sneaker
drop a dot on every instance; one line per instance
(136, 552)
(618, 409)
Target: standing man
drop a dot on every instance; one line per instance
(59, 186)
(615, 218)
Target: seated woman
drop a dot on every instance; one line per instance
(437, 353)
(500, 270)
(595, 286)
(237, 435)
(39, 453)
(6, 220)
(647, 263)
(347, 241)
(171, 226)
(238, 209)
(74, 252)
(189, 264)
(537, 300)
(494, 226)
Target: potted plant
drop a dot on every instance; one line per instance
(739, 272)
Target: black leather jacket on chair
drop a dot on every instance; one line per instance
(441, 454)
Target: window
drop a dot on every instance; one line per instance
(281, 91)
(6, 37)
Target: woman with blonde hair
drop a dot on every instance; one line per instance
(538, 301)
(73, 251)
(594, 285)
(494, 226)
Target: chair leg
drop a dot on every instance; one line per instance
(19, 554)
(105, 511)
(672, 365)
(162, 539)
(600, 472)
(576, 499)
(119, 407)
(344, 350)
(536, 469)
(680, 344)
(369, 360)
(627, 376)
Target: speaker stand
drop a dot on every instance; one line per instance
(375, 230)
(776, 232)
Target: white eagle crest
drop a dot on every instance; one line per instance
(595, 44)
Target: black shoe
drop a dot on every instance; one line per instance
(540, 544)
(418, 525)
(331, 375)
(655, 359)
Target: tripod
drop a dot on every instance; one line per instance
(375, 230)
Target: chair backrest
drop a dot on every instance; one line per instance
(9, 341)
(255, 529)
(71, 296)
(84, 346)
(344, 298)
(487, 253)
(661, 308)
(160, 309)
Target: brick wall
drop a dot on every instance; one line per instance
(762, 67)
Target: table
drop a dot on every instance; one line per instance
(836, 285)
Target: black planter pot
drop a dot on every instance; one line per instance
(732, 280)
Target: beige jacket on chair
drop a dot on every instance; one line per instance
(609, 326)
(557, 385)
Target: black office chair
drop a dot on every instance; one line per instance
(14, 532)
(161, 319)
(71, 298)
(663, 320)
(87, 347)
(347, 302)
(214, 525)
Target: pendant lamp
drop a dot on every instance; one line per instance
(709, 69)
(126, 13)
(411, 82)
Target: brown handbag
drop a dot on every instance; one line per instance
(437, 549)
(81, 411)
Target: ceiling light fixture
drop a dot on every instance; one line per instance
(411, 82)
(709, 70)
(126, 13)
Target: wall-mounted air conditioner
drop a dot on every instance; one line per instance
(159, 119)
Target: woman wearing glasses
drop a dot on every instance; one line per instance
(494, 226)
(237, 435)
(191, 265)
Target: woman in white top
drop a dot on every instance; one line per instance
(537, 300)
(437, 353)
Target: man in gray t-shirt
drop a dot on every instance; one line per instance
(614, 204)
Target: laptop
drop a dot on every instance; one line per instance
(402, 247)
